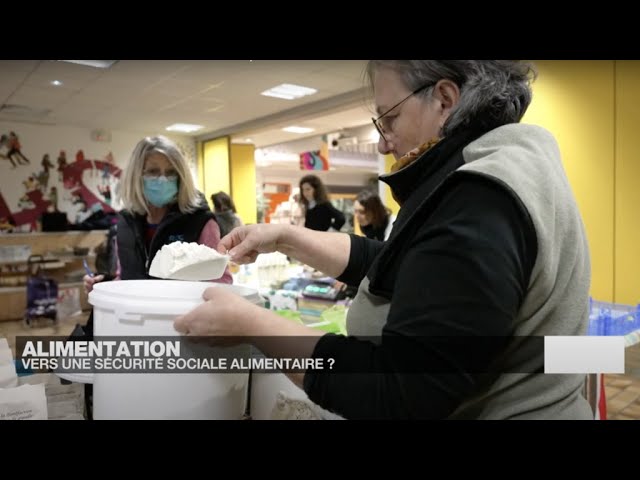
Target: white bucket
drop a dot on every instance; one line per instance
(264, 393)
(148, 308)
(267, 387)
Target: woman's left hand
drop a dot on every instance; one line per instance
(222, 315)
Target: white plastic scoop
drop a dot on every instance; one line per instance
(188, 261)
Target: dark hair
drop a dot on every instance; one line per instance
(492, 92)
(373, 206)
(222, 202)
(320, 194)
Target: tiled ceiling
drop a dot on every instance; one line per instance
(145, 96)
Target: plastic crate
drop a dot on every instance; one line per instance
(613, 319)
(15, 253)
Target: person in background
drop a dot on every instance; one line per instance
(225, 212)
(297, 214)
(160, 205)
(373, 217)
(319, 213)
(488, 255)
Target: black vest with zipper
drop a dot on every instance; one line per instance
(134, 257)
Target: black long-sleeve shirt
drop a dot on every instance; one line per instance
(323, 217)
(465, 272)
(376, 233)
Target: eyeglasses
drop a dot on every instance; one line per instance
(379, 122)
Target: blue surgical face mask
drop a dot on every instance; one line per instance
(159, 191)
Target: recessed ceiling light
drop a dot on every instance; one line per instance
(294, 129)
(289, 91)
(248, 140)
(56, 83)
(184, 127)
(92, 63)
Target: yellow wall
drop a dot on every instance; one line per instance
(243, 181)
(627, 183)
(575, 101)
(215, 167)
(200, 164)
(229, 168)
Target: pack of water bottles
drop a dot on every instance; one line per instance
(612, 319)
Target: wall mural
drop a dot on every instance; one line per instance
(313, 160)
(77, 186)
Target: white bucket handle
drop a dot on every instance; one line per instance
(138, 317)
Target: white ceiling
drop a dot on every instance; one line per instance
(145, 96)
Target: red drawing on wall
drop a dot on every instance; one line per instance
(37, 206)
(72, 180)
(33, 203)
(40, 196)
(4, 210)
(62, 163)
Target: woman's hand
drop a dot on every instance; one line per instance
(245, 243)
(89, 282)
(223, 314)
(325, 251)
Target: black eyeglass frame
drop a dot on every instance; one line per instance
(375, 121)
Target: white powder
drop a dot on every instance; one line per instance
(188, 261)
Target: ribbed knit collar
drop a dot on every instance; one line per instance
(431, 166)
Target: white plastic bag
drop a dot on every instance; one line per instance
(27, 402)
(5, 352)
(64, 402)
(8, 376)
(288, 408)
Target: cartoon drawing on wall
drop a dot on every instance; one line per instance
(43, 176)
(82, 213)
(46, 163)
(62, 163)
(73, 180)
(31, 184)
(10, 148)
(105, 190)
(14, 149)
(81, 188)
(53, 198)
(32, 205)
(105, 174)
(4, 149)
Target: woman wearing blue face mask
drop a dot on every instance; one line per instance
(161, 206)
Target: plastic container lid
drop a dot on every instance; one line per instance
(158, 297)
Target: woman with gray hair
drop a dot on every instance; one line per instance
(161, 205)
(487, 256)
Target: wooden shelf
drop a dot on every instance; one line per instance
(14, 300)
(13, 290)
(68, 233)
(44, 262)
(49, 245)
